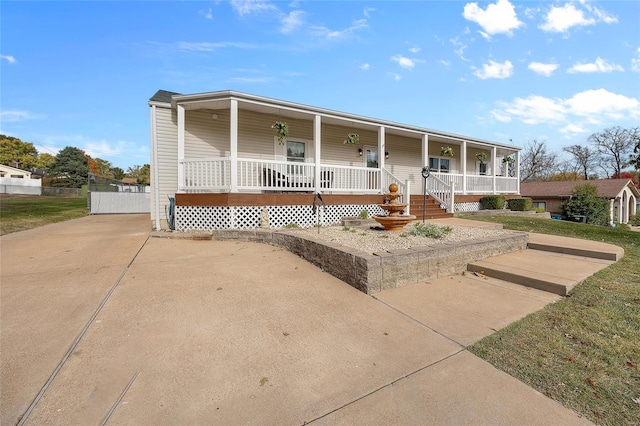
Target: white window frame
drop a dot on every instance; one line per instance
(439, 170)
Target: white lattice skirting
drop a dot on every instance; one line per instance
(191, 218)
(467, 207)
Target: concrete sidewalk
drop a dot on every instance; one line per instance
(205, 332)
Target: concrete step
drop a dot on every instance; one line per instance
(573, 246)
(554, 272)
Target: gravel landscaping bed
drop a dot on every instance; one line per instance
(371, 241)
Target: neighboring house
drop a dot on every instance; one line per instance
(219, 156)
(18, 181)
(623, 196)
(14, 172)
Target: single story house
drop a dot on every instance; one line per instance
(17, 181)
(14, 172)
(623, 196)
(234, 160)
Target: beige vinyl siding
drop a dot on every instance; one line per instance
(405, 160)
(204, 136)
(335, 152)
(256, 137)
(167, 139)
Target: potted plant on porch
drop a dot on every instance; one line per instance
(282, 131)
(446, 151)
(482, 157)
(352, 138)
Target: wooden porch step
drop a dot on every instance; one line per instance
(433, 209)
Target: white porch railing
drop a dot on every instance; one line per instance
(441, 191)
(350, 179)
(506, 185)
(205, 174)
(214, 174)
(270, 175)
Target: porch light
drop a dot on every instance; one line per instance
(360, 152)
(386, 155)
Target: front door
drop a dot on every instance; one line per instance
(371, 157)
(371, 161)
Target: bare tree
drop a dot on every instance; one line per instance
(536, 162)
(614, 144)
(584, 158)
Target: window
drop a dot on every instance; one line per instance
(296, 151)
(441, 165)
(539, 205)
(482, 168)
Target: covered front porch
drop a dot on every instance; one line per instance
(226, 143)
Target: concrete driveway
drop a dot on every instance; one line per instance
(101, 325)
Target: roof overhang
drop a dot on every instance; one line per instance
(221, 100)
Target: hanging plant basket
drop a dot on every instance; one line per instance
(352, 138)
(447, 151)
(508, 160)
(482, 157)
(282, 131)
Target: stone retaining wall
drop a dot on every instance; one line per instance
(371, 273)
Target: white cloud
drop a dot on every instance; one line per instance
(414, 49)
(560, 19)
(635, 62)
(103, 148)
(364, 66)
(572, 129)
(13, 116)
(206, 13)
(9, 59)
(367, 11)
(445, 62)
(542, 68)
(210, 46)
(532, 110)
(495, 70)
(247, 7)
(497, 18)
(404, 62)
(396, 77)
(595, 104)
(600, 65)
(590, 106)
(292, 21)
(324, 32)
(459, 48)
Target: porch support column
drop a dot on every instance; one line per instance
(180, 148)
(611, 202)
(463, 165)
(516, 164)
(317, 126)
(620, 211)
(381, 151)
(494, 152)
(233, 134)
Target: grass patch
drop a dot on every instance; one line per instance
(22, 212)
(583, 351)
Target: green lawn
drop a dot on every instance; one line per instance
(583, 351)
(22, 212)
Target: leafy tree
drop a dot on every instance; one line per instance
(586, 202)
(536, 162)
(105, 168)
(45, 160)
(118, 173)
(565, 176)
(141, 173)
(614, 144)
(92, 165)
(584, 158)
(634, 159)
(69, 169)
(14, 150)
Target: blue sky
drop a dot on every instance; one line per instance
(81, 73)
